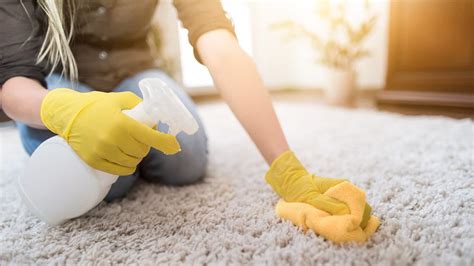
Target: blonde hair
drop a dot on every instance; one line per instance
(55, 49)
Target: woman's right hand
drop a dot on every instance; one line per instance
(94, 125)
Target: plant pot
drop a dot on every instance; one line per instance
(339, 86)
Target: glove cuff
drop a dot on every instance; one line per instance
(60, 107)
(49, 103)
(282, 170)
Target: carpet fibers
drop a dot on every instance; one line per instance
(417, 173)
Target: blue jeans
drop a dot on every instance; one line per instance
(185, 167)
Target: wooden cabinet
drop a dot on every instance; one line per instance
(431, 58)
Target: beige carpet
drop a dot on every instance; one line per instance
(417, 172)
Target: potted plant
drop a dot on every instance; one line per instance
(339, 48)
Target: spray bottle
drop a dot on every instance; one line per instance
(57, 185)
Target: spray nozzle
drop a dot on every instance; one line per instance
(161, 104)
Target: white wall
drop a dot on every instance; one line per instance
(195, 76)
(292, 64)
(167, 19)
(287, 64)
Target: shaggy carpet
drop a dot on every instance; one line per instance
(417, 173)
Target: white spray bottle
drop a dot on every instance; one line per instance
(57, 185)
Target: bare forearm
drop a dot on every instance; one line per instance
(236, 77)
(21, 100)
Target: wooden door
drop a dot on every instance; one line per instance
(431, 57)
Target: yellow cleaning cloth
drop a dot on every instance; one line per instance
(337, 228)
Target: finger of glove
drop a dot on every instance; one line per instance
(117, 156)
(108, 150)
(134, 148)
(111, 168)
(328, 204)
(166, 143)
(325, 183)
(126, 100)
(366, 216)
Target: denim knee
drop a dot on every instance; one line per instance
(184, 168)
(31, 138)
(120, 188)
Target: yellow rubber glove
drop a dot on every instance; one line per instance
(337, 228)
(94, 125)
(290, 180)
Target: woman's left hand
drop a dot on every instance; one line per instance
(293, 183)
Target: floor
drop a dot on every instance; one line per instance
(417, 172)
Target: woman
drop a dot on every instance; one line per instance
(102, 45)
